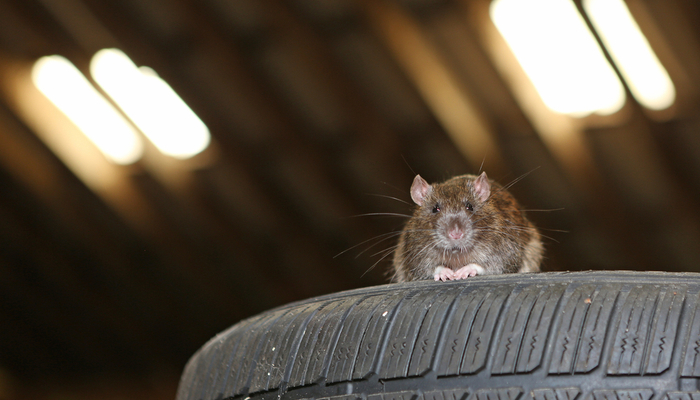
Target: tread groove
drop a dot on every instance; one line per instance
(550, 336)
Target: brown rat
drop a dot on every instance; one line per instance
(463, 227)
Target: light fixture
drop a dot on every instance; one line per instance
(647, 79)
(67, 88)
(151, 104)
(559, 54)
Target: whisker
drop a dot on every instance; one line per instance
(380, 214)
(389, 197)
(387, 237)
(542, 209)
(408, 165)
(383, 235)
(555, 230)
(510, 235)
(387, 250)
(402, 191)
(525, 228)
(422, 251)
(516, 180)
(377, 262)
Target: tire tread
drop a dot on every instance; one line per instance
(576, 336)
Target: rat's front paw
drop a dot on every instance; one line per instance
(467, 271)
(443, 274)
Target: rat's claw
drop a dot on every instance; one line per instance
(467, 271)
(443, 274)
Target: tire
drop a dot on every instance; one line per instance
(549, 336)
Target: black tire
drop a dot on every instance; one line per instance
(549, 336)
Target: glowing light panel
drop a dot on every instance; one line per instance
(646, 77)
(559, 54)
(151, 104)
(63, 84)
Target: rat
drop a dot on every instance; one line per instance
(463, 227)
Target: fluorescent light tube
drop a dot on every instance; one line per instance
(646, 77)
(151, 104)
(63, 84)
(560, 55)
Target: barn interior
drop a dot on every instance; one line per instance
(313, 118)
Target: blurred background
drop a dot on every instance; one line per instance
(169, 167)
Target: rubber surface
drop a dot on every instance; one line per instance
(549, 336)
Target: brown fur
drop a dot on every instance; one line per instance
(497, 235)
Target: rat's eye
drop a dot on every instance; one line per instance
(436, 208)
(469, 206)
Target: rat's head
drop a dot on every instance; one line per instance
(449, 211)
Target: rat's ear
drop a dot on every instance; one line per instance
(420, 189)
(482, 187)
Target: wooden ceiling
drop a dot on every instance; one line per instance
(321, 112)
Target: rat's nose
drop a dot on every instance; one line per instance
(455, 233)
(455, 229)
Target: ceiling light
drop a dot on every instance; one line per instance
(151, 104)
(646, 77)
(63, 84)
(559, 54)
